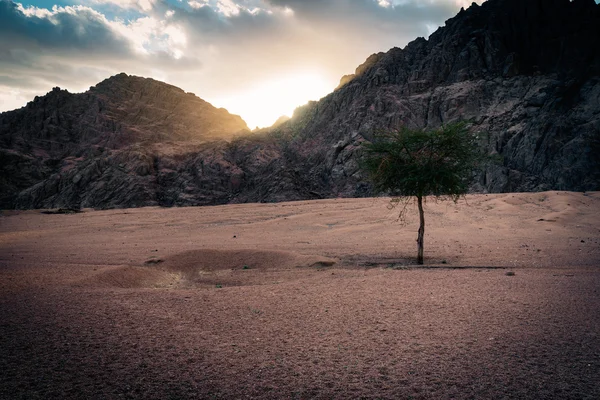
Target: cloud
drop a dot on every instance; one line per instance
(143, 5)
(77, 46)
(198, 4)
(76, 27)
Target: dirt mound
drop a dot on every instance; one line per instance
(210, 268)
(237, 267)
(212, 260)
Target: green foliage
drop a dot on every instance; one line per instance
(420, 163)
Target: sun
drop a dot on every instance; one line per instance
(261, 104)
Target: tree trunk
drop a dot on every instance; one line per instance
(421, 230)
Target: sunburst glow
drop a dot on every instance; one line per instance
(260, 105)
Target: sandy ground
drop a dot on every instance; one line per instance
(302, 300)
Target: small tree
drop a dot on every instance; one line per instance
(416, 163)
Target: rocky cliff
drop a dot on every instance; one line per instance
(525, 72)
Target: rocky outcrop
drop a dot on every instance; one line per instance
(280, 121)
(526, 73)
(362, 68)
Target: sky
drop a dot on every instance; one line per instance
(257, 58)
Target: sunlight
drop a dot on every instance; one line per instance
(261, 104)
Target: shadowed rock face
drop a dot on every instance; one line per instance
(526, 73)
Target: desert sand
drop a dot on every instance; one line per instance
(303, 300)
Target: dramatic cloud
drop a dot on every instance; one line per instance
(259, 58)
(144, 5)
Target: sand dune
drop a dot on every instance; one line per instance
(310, 299)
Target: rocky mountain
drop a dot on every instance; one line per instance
(526, 73)
(102, 148)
